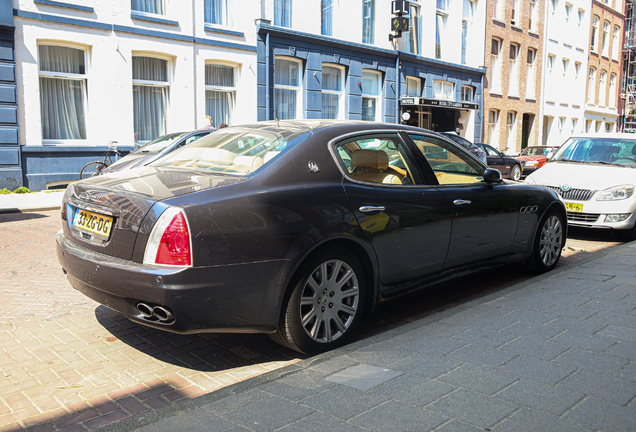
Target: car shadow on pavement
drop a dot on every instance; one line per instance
(18, 217)
(203, 352)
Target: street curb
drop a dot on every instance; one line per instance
(251, 383)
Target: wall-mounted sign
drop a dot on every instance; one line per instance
(438, 103)
(399, 24)
(399, 7)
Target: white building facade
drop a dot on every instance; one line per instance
(93, 71)
(565, 69)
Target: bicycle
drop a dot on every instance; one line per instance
(95, 168)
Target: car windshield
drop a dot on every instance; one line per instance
(235, 150)
(617, 151)
(537, 151)
(160, 143)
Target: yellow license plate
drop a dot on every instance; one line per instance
(95, 223)
(573, 207)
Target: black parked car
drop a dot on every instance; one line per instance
(297, 228)
(157, 148)
(471, 147)
(508, 166)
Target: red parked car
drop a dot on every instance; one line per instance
(534, 157)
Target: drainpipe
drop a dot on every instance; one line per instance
(267, 107)
(397, 88)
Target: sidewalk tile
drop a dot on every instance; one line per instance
(591, 361)
(537, 370)
(478, 379)
(397, 416)
(320, 422)
(198, 421)
(298, 385)
(615, 390)
(474, 408)
(603, 415)
(534, 348)
(425, 365)
(540, 397)
(533, 421)
(480, 355)
(343, 402)
(268, 414)
(414, 390)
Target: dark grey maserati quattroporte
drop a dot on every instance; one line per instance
(297, 228)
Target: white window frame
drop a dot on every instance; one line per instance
(160, 84)
(340, 93)
(493, 119)
(513, 70)
(414, 82)
(368, 37)
(163, 8)
(597, 126)
(83, 78)
(376, 97)
(612, 95)
(226, 15)
(297, 88)
(412, 38)
(577, 69)
(468, 15)
(511, 119)
(441, 20)
(530, 73)
(602, 88)
(605, 40)
(497, 9)
(443, 90)
(495, 66)
(468, 93)
(561, 124)
(594, 39)
(553, 5)
(574, 123)
(588, 126)
(550, 65)
(591, 85)
(533, 16)
(615, 39)
(327, 11)
(566, 64)
(515, 13)
(581, 16)
(231, 90)
(568, 11)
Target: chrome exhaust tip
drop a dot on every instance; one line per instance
(145, 310)
(163, 314)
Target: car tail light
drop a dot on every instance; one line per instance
(169, 243)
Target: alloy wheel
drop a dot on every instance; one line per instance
(551, 241)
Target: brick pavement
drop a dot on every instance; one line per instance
(70, 364)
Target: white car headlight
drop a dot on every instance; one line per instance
(616, 193)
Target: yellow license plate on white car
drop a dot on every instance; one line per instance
(92, 222)
(574, 207)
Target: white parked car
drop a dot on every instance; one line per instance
(596, 177)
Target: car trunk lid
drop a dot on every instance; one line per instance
(122, 201)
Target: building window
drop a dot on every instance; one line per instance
(594, 38)
(412, 39)
(217, 12)
(148, 6)
(530, 80)
(283, 13)
(220, 93)
(577, 69)
(591, 85)
(615, 36)
(495, 66)
(497, 9)
(574, 122)
(568, 11)
(467, 21)
(581, 16)
(588, 126)
(513, 71)
(287, 86)
(533, 16)
(413, 87)
(515, 13)
(609, 127)
(551, 58)
(150, 97)
(510, 125)
(468, 93)
(554, 4)
(332, 88)
(368, 21)
(612, 90)
(62, 92)
(602, 88)
(597, 126)
(371, 91)
(493, 117)
(443, 90)
(566, 64)
(561, 124)
(326, 17)
(440, 26)
(605, 41)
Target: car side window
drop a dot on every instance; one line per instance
(490, 151)
(450, 165)
(376, 159)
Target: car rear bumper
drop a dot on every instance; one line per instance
(231, 298)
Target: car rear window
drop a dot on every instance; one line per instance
(235, 150)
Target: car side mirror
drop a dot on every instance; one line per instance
(492, 175)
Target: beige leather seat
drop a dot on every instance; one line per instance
(370, 166)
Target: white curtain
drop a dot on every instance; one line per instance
(149, 102)
(285, 102)
(219, 75)
(62, 99)
(331, 81)
(219, 106)
(368, 109)
(217, 12)
(327, 17)
(150, 6)
(282, 13)
(287, 73)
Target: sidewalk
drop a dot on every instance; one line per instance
(557, 352)
(34, 201)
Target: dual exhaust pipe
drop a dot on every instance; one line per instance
(161, 313)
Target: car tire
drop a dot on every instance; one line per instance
(325, 304)
(548, 242)
(515, 173)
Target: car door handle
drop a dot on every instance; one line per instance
(371, 209)
(461, 202)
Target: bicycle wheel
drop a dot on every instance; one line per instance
(91, 169)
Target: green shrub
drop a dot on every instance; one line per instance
(22, 190)
(4, 191)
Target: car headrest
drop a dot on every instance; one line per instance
(217, 155)
(376, 159)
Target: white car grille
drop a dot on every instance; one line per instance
(573, 194)
(583, 217)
